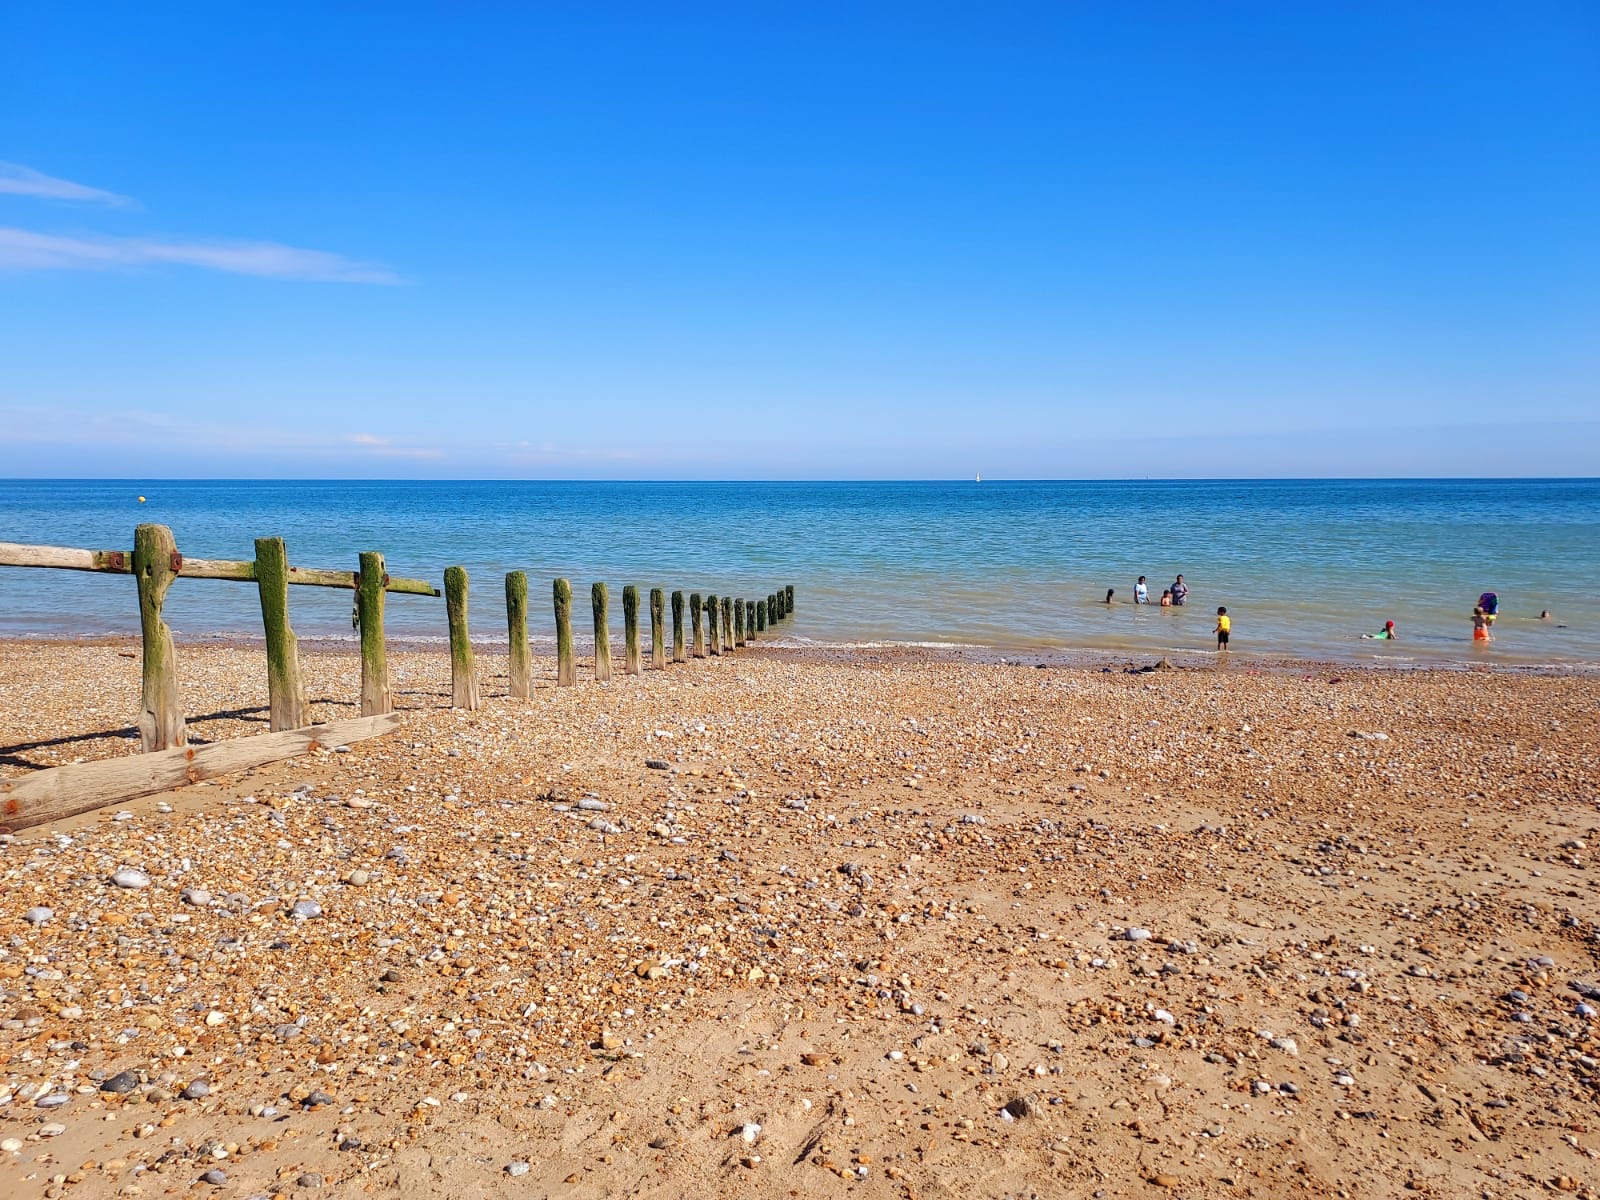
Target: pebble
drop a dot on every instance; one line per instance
(305, 909)
(130, 877)
(54, 1129)
(198, 1090)
(214, 1177)
(657, 764)
(1136, 934)
(309, 1180)
(38, 916)
(53, 1100)
(518, 1169)
(198, 897)
(11, 1145)
(357, 878)
(122, 1081)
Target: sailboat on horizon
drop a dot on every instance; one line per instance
(978, 478)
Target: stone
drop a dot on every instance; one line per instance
(198, 1090)
(11, 1145)
(1136, 934)
(53, 1100)
(309, 1180)
(38, 915)
(305, 910)
(1021, 1106)
(198, 897)
(130, 877)
(657, 764)
(518, 1169)
(123, 1081)
(357, 878)
(214, 1177)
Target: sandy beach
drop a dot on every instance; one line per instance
(771, 926)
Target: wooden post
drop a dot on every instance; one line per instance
(155, 565)
(679, 652)
(761, 616)
(772, 608)
(375, 699)
(286, 692)
(727, 625)
(602, 636)
(713, 645)
(696, 617)
(463, 676)
(631, 662)
(517, 632)
(566, 666)
(738, 622)
(658, 631)
(788, 599)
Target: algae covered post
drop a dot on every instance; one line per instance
(658, 632)
(697, 615)
(602, 636)
(713, 644)
(375, 698)
(286, 694)
(738, 622)
(727, 623)
(678, 654)
(566, 665)
(155, 565)
(517, 632)
(463, 672)
(631, 662)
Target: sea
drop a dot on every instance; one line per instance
(1017, 570)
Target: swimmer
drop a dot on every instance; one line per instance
(1545, 615)
(1166, 597)
(1387, 634)
(1480, 625)
(1110, 592)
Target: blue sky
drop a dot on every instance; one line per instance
(795, 241)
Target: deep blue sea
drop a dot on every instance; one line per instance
(1304, 567)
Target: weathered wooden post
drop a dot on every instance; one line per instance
(713, 644)
(463, 676)
(631, 663)
(678, 651)
(658, 631)
(772, 608)
(602, 636)
(566, 667)
(697, 614)
(286, 691)
(370, 582)
(788, 599)
(761, 616)
(155, 566)
(727, 625)
(517, 632)
(738, 622)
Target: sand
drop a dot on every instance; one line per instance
(903, 927)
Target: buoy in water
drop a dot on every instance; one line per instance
(141, 499)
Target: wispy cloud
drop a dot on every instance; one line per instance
(385, 448)
(18, 180)
(26, 250)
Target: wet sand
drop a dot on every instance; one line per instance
(876, 923)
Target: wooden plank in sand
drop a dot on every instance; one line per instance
(517, 632)
(56, 793)
(463, 672)
(155, 565)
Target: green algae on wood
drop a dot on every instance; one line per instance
(286, 692)
(602, 636)
(678, 650)
(517, 633)
(566, 665)
(463, 674)
(370, 583)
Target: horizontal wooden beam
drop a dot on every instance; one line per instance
(55, 793)
(65, 558)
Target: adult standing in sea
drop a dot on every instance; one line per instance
(1141, 592)
(1180, 590)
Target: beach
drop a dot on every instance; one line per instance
(873, 924)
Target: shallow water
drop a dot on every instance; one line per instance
(1304, 567)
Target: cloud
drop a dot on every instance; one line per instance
(26, 250)
(385, 448)
(18, 180)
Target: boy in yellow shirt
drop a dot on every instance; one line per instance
(1223, 629)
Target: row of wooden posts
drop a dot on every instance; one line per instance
(155, 563)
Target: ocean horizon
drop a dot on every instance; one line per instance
(1304, 566)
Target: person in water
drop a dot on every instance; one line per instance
(1141, 593)
(1110, 592)
(1386, 634)
(1180, 591)
(1166, 597)
(1224, 627)
(1490, 603)
(1480, 625)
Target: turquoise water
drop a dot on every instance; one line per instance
(1304, 566)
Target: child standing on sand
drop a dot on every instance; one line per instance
(1223, 629)
(1480, 625)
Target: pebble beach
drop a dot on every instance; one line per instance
(767, 925)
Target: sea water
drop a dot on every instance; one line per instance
(1018, 568)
